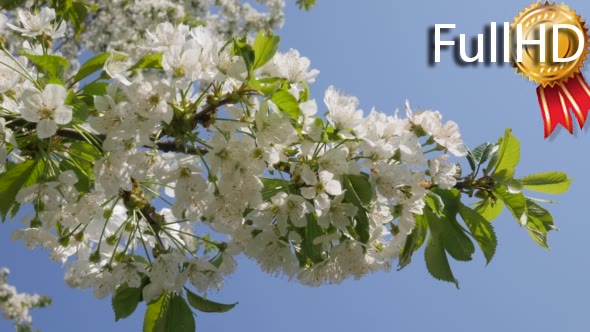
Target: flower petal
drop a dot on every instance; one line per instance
(54, 95)
(333, 187)
(63, 114)
(308, 192)
(46, 128)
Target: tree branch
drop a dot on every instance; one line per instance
(69, 133)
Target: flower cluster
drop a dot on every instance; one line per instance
(226, 147)
(147, 172)
(120, 26)
(15, 306)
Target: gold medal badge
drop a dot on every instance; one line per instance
(549, 46)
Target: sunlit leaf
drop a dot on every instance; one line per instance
(489, 208)
(286, 103)
(53, 65)
(508, 157)
(20, 176)
(265, 46)
(95, 64)
(516, 203)
(156, 314)
(151, 61)
(548, 182)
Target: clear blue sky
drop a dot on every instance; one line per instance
(377, 50)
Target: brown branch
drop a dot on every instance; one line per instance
(173, 146)
(204, 116)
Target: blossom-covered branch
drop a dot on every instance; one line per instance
(15, 306)
(152, 170)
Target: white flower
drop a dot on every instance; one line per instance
(335, 161)
(116, 66)
(398, 184)
(10, 71)
(443, 174)
(338, 214)
(103, 284)
(128, 273)
(165, 36)
(409, 148)
(3, 20)
(446, 135)
(319, 188)
(47, 108)
(343, 114)
(291, 207)
(165, 275)
(180, 61)
(449, 137)
(39, 24)
(293, 67)
(204, 276)
(6, 136)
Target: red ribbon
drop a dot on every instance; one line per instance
(557, 100)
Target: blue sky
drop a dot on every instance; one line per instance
(377, 51)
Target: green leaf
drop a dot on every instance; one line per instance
(508, 157)
(156, 314)
(267, 85)
(273, 187)
(489, 208)
(180, 316)
(78, 14)
(286, 103)
(450, 198)
(11, 4)
(305, 4)
(151, 61)
(266, 45)
(548, 182)
(95, 89)
(94, 64)
(437, 262)
(80, 111)
(516, 203)
(205, 305)
(84, 175)
(435, 203)
(83, 155)
(20, 176)
(481, 230)
(455, 241)
(125, 301)
(53, 65)
(358, 192)
(358, 189)
(362, 226)
(539, 222)
(241, 48)
(480, 155)
(414, 241)
(309, 250)
(170, 313)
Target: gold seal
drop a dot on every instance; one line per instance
(548, 72)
